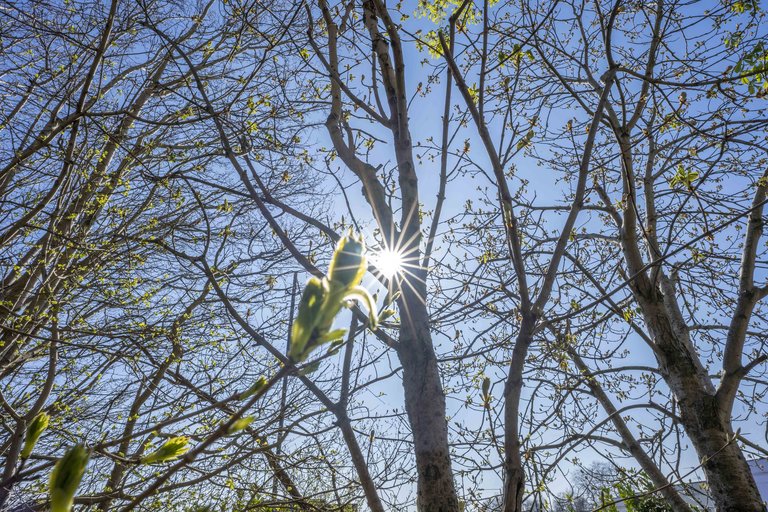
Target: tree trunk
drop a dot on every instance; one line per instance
(731, 484)
(425, 405)
(514, 476)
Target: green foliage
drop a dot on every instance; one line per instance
(638, 495)
(240, 424)
(35, 429)
(257, 386)
(683, 178)
(525, 141)
(743, 6)
(172, 449)
(65, 478)
(322, 299)
(437, 10)
(516, 55)
(606, 501)
(754, 64)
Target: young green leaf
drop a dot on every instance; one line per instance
(34, 430)
(361, 294)
(240, 424)
(172, 449)
(312, 302)
(255, 388)
(65, 478)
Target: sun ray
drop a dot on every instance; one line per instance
(389, 262)
(395, 263)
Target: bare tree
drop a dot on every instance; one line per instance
(111, 178)
(581, 286)
(679, 134)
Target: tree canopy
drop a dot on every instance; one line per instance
(439, 255)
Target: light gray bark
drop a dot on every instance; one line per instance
(423, 390)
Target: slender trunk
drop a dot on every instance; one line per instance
(425, 405)
(424, 396)
(514, 476)
(10, 469)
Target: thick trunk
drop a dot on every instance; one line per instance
(514, 476)
(425, 405)
(706, 420)
(731, 484)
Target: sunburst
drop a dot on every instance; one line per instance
(396, 265)
(390, 262)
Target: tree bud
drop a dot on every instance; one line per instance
(34, 430)
(348, 264)
(312, 300)
(65, 478)
(172, 449)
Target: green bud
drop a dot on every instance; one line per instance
(323, 299)
(65, 478)
(240, 424)
(172, 449)
(312, 300)
(360, 294)
(391, 298)
(257, 386)
(387, 313)
(348, 264)
(335, 346)
(487, 390)
(310, 368)
(333, 335)
(34, 430)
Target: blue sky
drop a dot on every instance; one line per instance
(425, 117)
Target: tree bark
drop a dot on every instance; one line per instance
(514, 475)
(423, 390)
(731, 484)
(425, 406)
(705, 418)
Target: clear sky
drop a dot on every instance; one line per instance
(426, 121)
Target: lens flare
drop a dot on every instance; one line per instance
(389, 263)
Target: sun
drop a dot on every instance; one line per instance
(388, 262)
